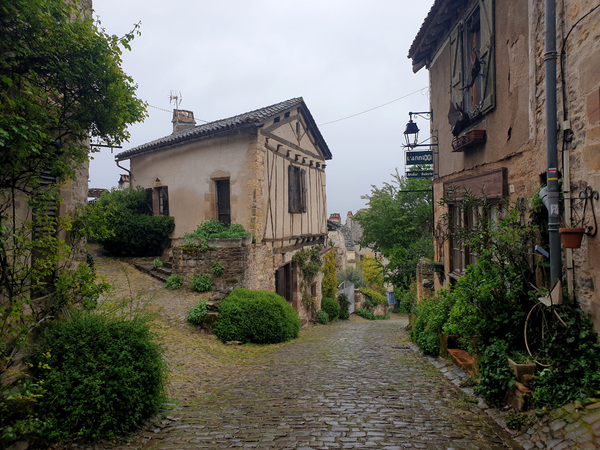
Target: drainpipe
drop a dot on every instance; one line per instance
(550, 57)
(126, 170)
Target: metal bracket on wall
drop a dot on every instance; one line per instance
(588, 196)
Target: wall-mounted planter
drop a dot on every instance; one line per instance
(469, 139)
(571, 237)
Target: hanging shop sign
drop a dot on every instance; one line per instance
(419, 174)
(415, 158)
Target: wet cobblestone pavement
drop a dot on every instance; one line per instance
(350, 384)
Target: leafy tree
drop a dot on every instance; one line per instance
(329, 284)
(373, 270)
(61, 83)
(398, 224)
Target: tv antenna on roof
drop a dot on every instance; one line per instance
(176, 97)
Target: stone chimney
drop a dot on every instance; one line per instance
(335, 217)
(182, 120)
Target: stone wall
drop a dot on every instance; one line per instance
(246, 265)
(359, 301)
(425, 280)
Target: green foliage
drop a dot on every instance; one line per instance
(133, 231)
(157, 263)
(398, 225)
(102, 377)
(174, 282)
(488, 300)
(352, 275)
(329, 284)
(197, 313)
(331, 307)
(49, 107)
(373, 271)
(201, 283)
(432, 313)
(217, 269)
(213, 229)
(366, 314)
(258, 317)
(406, 298)
(373, 298)
(322, 317)
(344, 306)
(496, 375)
(309, 262)
(574, 354)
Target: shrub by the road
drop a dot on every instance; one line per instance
(258, 317)
(331, 307)
(101, 376)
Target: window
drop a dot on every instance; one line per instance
(223, 202)
(157, 200)
(296, 189)
(472, 64)
(163, 201)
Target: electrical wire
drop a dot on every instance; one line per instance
(337, 120)
(374, 108)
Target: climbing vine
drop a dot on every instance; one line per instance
(309, 262)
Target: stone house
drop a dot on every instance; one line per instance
(486, 63)
(264, 170)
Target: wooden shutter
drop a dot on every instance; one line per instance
(149, 203)
(488, 69)
(164, 200)
(303, 191)
(456, 66)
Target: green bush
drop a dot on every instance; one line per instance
(133, 231)
(258, 317)
(201, 283)
(215, 229)
(157, 263)
(432, 314)
(574, 354)
(331, 307)
(174, 282)
(372, 297)
(496, 375)
(322, 317)
(197, 313)
(407, 299)
(344, 306)
(102, 377)
(365, 313)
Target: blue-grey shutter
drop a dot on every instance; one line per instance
(488, 68)
(456, 66)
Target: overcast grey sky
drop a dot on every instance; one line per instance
(228, 57)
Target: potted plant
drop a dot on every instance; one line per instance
(522, 366)
(571, 237)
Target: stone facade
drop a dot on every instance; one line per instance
(511, 162)
(263, 170)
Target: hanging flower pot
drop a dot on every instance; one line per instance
(571, 237)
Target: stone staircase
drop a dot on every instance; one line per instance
(146, 265)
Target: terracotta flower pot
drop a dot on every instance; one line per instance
(571, 237)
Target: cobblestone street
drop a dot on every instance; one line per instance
(345, 385)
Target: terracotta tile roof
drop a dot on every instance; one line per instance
(252, 119)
